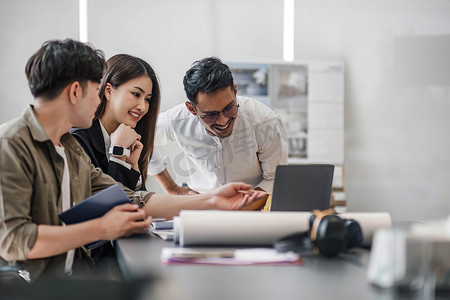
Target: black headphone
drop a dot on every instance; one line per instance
(328, 235)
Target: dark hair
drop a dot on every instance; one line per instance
(119, 69)
(207, 75)
(58, 63)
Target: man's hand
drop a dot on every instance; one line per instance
(259, 203)
(123, 220)
(234, 196)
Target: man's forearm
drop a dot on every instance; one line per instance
(170, 187)
(166, 181)
(54, 240)
(168, 206)
(122, 220)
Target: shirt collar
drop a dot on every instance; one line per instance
(37, 132)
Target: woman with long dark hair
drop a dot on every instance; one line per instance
(120, 140)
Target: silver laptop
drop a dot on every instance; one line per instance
(302, 187)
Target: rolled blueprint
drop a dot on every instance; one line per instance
(248, 228)
(369, 222)
(238, 227)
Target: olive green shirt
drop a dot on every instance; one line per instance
(31, 172)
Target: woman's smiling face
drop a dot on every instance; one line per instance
(129, 102)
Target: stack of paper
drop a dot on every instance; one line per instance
(227, 256)
(162, 224)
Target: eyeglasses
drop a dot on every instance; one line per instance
(228, 112)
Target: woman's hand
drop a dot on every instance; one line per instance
(135, 153)
(127, 137)
(124, 136)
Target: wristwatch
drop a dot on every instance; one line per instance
(119, 151)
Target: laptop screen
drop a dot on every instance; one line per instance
(302, 187)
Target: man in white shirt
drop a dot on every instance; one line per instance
(224, 137)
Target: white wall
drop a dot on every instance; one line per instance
(24, 26)
(397, 153)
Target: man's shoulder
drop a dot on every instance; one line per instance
(13, 129)
(254, 111)
(15, 134)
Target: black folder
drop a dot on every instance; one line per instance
(95, 206)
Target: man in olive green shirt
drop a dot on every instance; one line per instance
(43, 171)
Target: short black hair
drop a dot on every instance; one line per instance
(58, 63)
(207, 75)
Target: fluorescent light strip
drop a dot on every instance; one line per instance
(288, 30)
(83, 21)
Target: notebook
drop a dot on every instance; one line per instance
(302, 187)
(95, 206)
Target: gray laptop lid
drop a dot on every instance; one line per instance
(302, 187)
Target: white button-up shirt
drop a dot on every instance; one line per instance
(250, 154)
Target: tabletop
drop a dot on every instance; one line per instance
(342, 277)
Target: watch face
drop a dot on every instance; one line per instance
(117, 150)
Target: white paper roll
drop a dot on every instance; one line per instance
(258, 228)
(369, 222)
(238, 227)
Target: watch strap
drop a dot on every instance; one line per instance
(125, 151)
